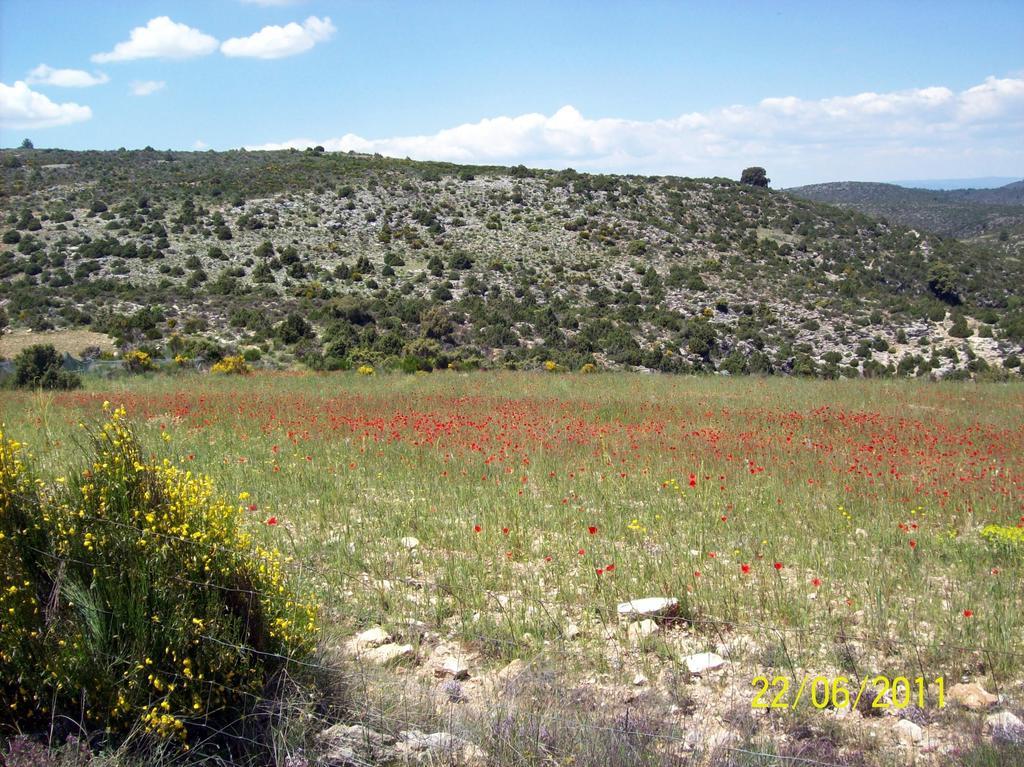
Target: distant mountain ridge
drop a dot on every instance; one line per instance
(979, 182)
(961, 213)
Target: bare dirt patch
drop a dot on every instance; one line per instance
(70, 341)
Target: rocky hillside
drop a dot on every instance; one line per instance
(335, 260)
(963, 213)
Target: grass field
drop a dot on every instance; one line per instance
(806, 528)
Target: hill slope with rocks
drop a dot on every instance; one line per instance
(334, 260)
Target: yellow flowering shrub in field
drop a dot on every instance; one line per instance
(133, 598)
(235, 365)
(138, 362)
(1011, 538)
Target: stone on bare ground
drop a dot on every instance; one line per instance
(638, 631)
(453, 666)
(908, 733)
(1005, 726)
(348, 745)
(703, 661)
(972, 696)
(649, 607)
(513, 670)
(417, 747)
(389, 653)
(372, 637)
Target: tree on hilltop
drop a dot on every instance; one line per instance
(755, 176)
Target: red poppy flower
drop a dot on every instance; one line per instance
(272, 521)
(253, 507)
(913, 543)
(778, 565)
(696, 573)
(816, 582)
(600, 571)
(745, 568)
(693, 480)
(968, 613)
(609, 568)
(504, 531)
(592, 530)
(581, 552)
(476, 528)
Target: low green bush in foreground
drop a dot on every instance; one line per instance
(134, 604)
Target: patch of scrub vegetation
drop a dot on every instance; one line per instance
(339, 260)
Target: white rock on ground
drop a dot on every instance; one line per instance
(638, 631)
(1004, 725)
(409, 542)
(437, 748)
(703, 661)
(454, 667)
(908, 733)
(389, 653)
(649, 607)
(372, 637)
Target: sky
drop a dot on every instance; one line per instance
(812, 91)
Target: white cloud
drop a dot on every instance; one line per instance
(146, 87)
(880, 135)
(22, 107)
(274, 42)
(160, 38)
(199, 145)
(989, 99)
(65, 78)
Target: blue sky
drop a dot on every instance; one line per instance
(813, 91)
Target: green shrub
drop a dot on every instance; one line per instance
(133, 601)
(41, 367)
(960, 328)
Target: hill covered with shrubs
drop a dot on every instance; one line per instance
(963, 213)
(338, 260)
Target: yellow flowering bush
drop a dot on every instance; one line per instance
(235, 365)
(133, 598)
(138, 362)
(365, 370)
(1011, 538)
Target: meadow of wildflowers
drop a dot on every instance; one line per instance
(836, 527)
